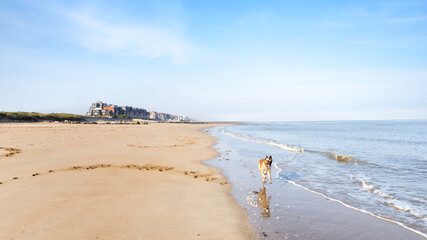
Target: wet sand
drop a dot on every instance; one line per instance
(284, 211)
(299, 214)
(62, 181)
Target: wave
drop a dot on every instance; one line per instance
(398, 206)
(330, 155)
(390, 200)
(373, 189)
(385, 218)
(339, 157)
(268, 142)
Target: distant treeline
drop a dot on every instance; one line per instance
(36, 117)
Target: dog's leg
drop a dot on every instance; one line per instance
(261, 170)
(269, 174)
(263, 176)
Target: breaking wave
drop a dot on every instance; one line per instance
(330, 155)
(373, 189)
(268, 142)
(339, 157)
(390, 200)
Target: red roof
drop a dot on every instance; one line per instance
(109, 108)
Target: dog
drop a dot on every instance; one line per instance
(264, 202)
(264, 166)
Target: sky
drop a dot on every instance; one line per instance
(217, 60)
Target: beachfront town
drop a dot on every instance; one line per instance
(100, 109)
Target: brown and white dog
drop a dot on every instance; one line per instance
(264, 166)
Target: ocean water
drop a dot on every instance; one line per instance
(377, 167)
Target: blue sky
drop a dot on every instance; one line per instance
(217, 60)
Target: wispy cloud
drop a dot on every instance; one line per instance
(107, 35)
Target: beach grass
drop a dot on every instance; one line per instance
(36, 117)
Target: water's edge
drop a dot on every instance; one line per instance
(216, 163)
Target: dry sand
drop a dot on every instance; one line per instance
(63, 181)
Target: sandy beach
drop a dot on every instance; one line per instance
(61, 181)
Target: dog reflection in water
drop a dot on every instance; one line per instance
(264, 202)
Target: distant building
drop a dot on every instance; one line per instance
(100, 109)
(153, 115)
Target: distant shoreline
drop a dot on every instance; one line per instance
(26, 117)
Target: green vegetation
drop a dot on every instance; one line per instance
(36, 117)
(123, 116)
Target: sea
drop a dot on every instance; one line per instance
(375, 167)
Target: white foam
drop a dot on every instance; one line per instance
(375, 190)
(393, 202)
(349, 206)
(277, 167)
(367, 186)
(268, 142)
(402, 207)
(331, 155)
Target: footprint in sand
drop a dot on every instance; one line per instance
(8, 152)
(147, 167)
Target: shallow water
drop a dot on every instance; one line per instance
(379, 167)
